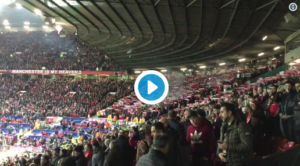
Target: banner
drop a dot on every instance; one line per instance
(63, 72)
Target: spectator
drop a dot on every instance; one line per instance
(296, 101)
(158, 154)
(98, 154)
(45, 160)
(115, 155)
(63, 153)
(79, 156)
(199, 135)
(186, 121)
(69, 161)
(217, 123)
(236, 148)
(88, 153)
(287, 123)
(126, 149)
(56, 157)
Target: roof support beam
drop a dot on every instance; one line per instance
(146, 2)
(227, 4)
(178, 3)
(191, 3)
(267, 4)
(106, 15)
(209, 1)
(156, 2)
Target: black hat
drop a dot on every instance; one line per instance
(193, 114)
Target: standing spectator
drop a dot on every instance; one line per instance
(98, 154)
(115, 155)
(56, 157)
(79, 156)
(126, 148)
(297, 112)
(217, 123)
(286, 114)
(88, 153)
(174, 142)
(69, 161)
(186, 122)
(200, 136)
(45, 160)
(158, 154)
(236, 148)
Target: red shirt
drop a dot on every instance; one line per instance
(88, 155)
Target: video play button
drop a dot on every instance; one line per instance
(151, 87)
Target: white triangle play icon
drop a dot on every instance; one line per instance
(151, 87)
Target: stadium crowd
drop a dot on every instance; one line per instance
(36, 50)
(44, 97)
(252, 117)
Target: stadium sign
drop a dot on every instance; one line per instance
(63, 72)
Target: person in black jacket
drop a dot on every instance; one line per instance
(98, 154)
(128, 155)
(79, 156)
(286, 110)
(115, 155)
(176, 125)
(158, 153)
(217, 123)
(174, 142)
(296, 101)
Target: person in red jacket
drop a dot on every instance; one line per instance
(200, 136)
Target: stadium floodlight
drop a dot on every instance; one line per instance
(58, 28)
(26, 23)
(202, 67)
(242, 60)
(7, 27)
(164, 71)
(222, 64)
(26, 27)
(276, 48)
(18, 6)
(261, 54)
(38, 12)
(5, 22)
(264, 38)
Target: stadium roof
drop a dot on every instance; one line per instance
(145, 34)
